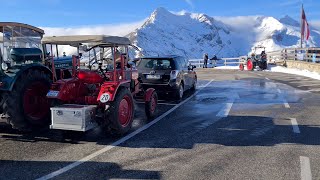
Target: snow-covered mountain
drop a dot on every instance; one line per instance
(191, 34)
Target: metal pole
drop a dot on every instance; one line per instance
(52, 65)
(57, 51)
(301, 26)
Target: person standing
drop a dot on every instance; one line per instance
(205, 60)
(213, 61)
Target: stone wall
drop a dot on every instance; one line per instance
(313, 67)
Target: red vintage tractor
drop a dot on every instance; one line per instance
(102, 88)
(255, 60)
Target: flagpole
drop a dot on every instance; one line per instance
(301, 24)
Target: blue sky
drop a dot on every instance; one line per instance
(72, 13)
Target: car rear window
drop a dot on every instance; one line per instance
(156, 64)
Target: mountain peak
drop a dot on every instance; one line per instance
(289, 21)
(161, 11)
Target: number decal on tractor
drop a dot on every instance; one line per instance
(104, 97)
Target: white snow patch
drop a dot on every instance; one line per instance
(227, 67)
(306, 73)
(281, 69)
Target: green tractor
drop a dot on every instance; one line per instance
(24, 76)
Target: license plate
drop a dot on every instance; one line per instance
(52, 93)
(153, 76)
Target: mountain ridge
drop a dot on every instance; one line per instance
(192, 34)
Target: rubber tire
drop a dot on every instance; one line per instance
(241, 67)
(264, 65)
(253, 65)
(150, 115)
(177, 94)
(13, 105)
(194, 85)
(112, 116)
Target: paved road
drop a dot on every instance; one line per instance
(238, 125)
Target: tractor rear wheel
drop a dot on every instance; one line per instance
(27, 105)
(250, 65)
(264, 65)
(151, 106)
(120, 113)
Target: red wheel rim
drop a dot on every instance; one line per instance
(125, 111)
(249, 65)
(35, 103)
(241, 67)
(153, 104)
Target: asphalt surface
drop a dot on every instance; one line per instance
(238, 125)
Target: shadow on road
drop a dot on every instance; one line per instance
(230, 131)
(88, 170)
(73, 137)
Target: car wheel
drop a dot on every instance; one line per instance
(151, 106)
(179, 92)
(194, 85)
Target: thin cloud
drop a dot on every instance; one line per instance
(290, 3)
(190, 3)
(315, 24)
(108, 29)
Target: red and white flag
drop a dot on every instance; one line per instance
(305, 30)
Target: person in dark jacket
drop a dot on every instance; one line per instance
(214, 57)
(205, 60)
(213, 60)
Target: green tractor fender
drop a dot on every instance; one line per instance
(10, 77)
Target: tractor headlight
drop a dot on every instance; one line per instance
(4, 66)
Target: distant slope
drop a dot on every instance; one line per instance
(191, 35)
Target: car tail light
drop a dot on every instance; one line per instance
(174, 74)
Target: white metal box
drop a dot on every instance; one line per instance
(73, 117)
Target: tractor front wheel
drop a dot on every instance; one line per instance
(120, 113)
(241, 67)
(27, 105)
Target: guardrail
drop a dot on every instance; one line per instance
(220, 62)
(301, 54)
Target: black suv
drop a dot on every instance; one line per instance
(167, 74)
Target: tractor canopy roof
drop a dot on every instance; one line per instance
(19, 29)
(77, 40)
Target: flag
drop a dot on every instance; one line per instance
(305, 30)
